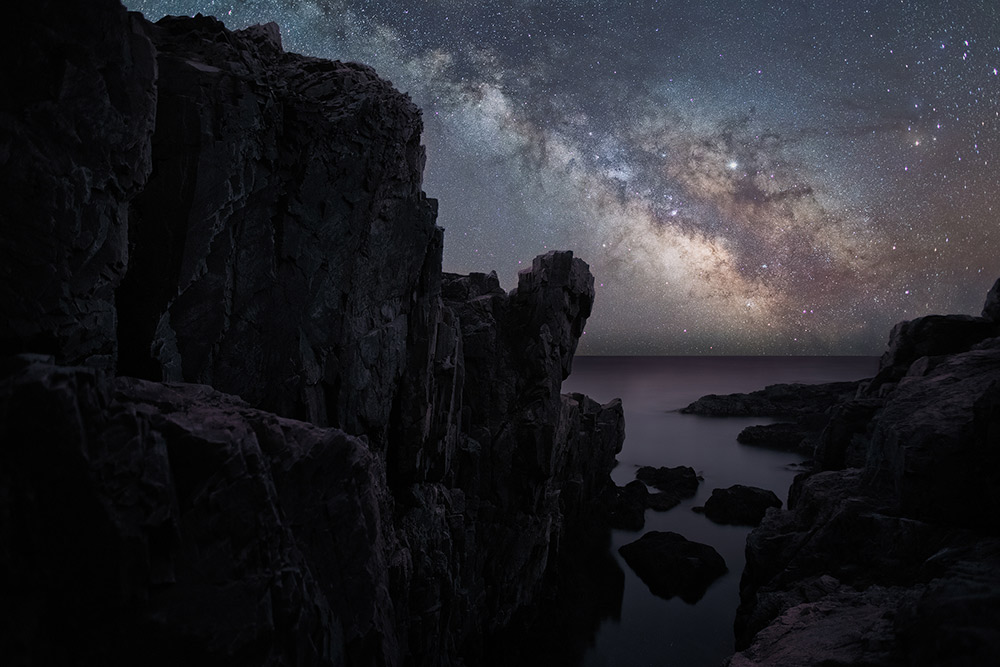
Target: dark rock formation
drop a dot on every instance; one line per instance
(680, 481)
(776, 400)
(628, 505)
(77, 111)
(931, 337)
(739, 505)
(889, 552)
(377, 467)
(673, 566)
(783, 436)
(991, 309)
(627, 508)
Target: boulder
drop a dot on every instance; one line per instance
(680, 481)
(740, 505)
(628, 506)
(672, 566)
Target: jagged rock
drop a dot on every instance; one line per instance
(844, 442)
(956, 619)
(888, 553)
(776, 400)
(628, 505)
(280, 249)
(680, 481)
(75, 127)
(740, 505)
(933, 335)
(934, 447)
(673, 566)
(844, 627)
(146, 522)
(783, 436)
(991, 309)
(282, 186)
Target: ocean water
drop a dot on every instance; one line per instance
(653, 631)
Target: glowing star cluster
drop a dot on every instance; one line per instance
(742, 177)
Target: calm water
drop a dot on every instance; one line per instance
(660, 632)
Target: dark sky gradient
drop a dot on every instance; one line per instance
(742, 177)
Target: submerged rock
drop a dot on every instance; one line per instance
(739, 505)
(673, 566)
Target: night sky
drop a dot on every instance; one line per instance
(742, 177)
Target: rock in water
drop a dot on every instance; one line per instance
(681, 481)
(673, 566)
(740, 505)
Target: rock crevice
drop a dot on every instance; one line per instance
(237, 382)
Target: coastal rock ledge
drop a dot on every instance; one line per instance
(889, 551)
(245, 419)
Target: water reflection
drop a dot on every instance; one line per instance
(652, 631)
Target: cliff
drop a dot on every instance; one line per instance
(245, 418)
(889, 551)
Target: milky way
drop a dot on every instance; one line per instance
(742, 177)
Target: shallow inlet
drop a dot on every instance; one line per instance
(653, 631)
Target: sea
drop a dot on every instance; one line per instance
(656, 632)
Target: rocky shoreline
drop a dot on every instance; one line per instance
(245, 417)
(888, 552)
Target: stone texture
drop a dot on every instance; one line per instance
(163, 523)
(398, 481)
(991, 308)
(282, 186)
(930, 336)
(77, 113)
(673, 566)
(681, 481)
(740, 505)
(776, 400)
(887, 553)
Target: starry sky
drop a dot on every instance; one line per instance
(743, 177)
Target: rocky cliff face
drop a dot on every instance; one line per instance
(889, 553)
(249, 420)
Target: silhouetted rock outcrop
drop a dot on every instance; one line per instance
(328, 452)
(739, 505)
(889, 551)
(776, 400)
(673, 566)
(681, 481)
